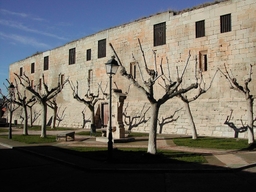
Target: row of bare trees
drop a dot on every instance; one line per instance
(45, 97)
(172, 86)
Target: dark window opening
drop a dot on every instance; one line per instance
(225, 23)
(102, 48)
(32, 84)
(40, 84)
(203, 61)
(88, 54)
(46, 63)
(72, 56)
(21, 71)
(160, 34)
(200, 29)
(32, 68)
(90, 80)
(62, 79)
(133, 70)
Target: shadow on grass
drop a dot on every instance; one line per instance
(126, 159)
(136, 156)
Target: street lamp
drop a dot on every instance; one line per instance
(11, 93)
(111, 69)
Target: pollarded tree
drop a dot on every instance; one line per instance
(167, 120)
(172, 89)
(2, 104)
(23, 101)
(245, 90)
(9, 101)
(54, 106)
(90, 100)
(135, 120)
(200, 91)
(42, 95)
(232, 125)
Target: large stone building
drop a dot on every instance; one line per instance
(223, 32)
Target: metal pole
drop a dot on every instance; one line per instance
(110, 143)
(10, 121)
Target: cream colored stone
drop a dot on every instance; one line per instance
(236, 49)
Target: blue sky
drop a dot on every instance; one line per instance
(30, 26)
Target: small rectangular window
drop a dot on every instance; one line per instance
(90, 80)
(46, 63)
(203, 61)
(88, 54)
(200, 29)
(225, 23)
(40, 84)
(62, 79)
(72, 56)
(102, 48)
(21, 71)
(160, 34)
(133, 70)
(32, 84)
(32, 67)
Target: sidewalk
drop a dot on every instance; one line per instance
(217, 159)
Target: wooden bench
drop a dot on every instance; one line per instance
(65, 135)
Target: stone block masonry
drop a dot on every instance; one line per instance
(236, 48)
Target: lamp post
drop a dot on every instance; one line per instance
(111, 69)
(11, 93)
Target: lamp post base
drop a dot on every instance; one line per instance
(110, 145)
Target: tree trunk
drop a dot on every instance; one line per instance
(152, 147)
(25, 125)
(44, 115)
(93, 128)
(31, 116)
(55, 109)
(10, 125)
(191, 120)
(249, 102)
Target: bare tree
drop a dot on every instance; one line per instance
(167, 120)
(54, 106)
(200, 90)
(23, 101)
(136, 120)
(34, 115)
(248, 97)
(84, 119)
(60, 116)
(171, 90)
(2, 104)
(90, 100)
(9, 101)
(234, 127)
(42, 96)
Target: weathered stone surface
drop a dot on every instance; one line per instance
(237, 49)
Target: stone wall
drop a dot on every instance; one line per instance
(236, 49)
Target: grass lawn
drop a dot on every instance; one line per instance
(32, 139)
(139, 156)
(4, 130)
(38, 128)
(210, 142)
